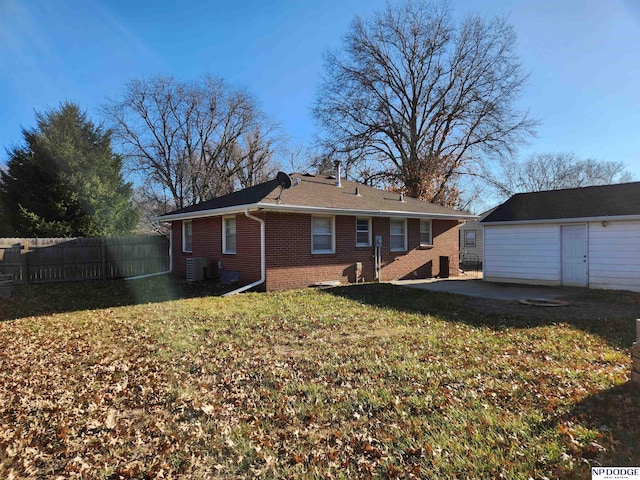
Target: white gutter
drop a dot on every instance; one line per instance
(214, 212)
(612, 218)
(137, 277)
(305, 209)
(365, 212)
(263, 267)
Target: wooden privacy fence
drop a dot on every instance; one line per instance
(41, 260)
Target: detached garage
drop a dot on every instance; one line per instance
(584, 237)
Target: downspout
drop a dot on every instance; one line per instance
(263, 269)
(137, 277)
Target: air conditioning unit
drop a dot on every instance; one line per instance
(196, 268)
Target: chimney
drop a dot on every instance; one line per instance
(338, 174)
(401, 197)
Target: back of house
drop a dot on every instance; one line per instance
(301, 230)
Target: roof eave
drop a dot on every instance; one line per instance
(602, 218)
(362, 211)
(213, 212)
(311, 210)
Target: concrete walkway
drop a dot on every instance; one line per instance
(474, 287)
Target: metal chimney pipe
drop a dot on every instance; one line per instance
(337, 164)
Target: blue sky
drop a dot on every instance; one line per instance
(583, 57)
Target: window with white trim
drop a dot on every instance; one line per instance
(229, 235)
(425, 232)
(397, 234)
(469, 238)
(322, 234)
(363, 232)
(187, 236)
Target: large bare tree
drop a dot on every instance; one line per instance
(190, 141)
(553, 171)
(413, 100)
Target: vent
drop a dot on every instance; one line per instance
(196, 267)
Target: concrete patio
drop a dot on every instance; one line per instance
(476, 287)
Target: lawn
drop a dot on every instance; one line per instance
(116, 380)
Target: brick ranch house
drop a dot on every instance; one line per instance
(319, 229)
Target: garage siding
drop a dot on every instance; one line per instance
(522, 254)
(531, 254)
(614, 255)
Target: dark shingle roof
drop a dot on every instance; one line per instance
(247, 196)
(319, 192)
(586, 202)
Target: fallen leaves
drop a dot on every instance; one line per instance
(298, 384)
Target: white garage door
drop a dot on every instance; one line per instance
(574, 255)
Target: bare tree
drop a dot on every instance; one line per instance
(553, 171)
(419, 100)
(190, 141)
(297, 158)
(251, 158)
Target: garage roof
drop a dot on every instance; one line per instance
(587, 202)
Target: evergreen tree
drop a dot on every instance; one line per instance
(65, 180)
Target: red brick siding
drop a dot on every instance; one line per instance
(290, 263)
(207, 242)
(178, 260)
(419, 261)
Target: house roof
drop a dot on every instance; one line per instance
(603, 201)
(317, 194)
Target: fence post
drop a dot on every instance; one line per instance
(25, 261)
(635, 355)
(103, 257)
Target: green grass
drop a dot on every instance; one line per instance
(120, 380)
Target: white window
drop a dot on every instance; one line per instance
(425, 232)
(229, 235)
(322, 235)
(187, 236)
(363, 232)
(398, 235)
(470, 238)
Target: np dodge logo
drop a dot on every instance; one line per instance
(615, 473)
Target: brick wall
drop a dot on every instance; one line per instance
(290, 263)
(178, 258)
(207, 242)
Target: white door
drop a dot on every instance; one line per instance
(574, 255)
